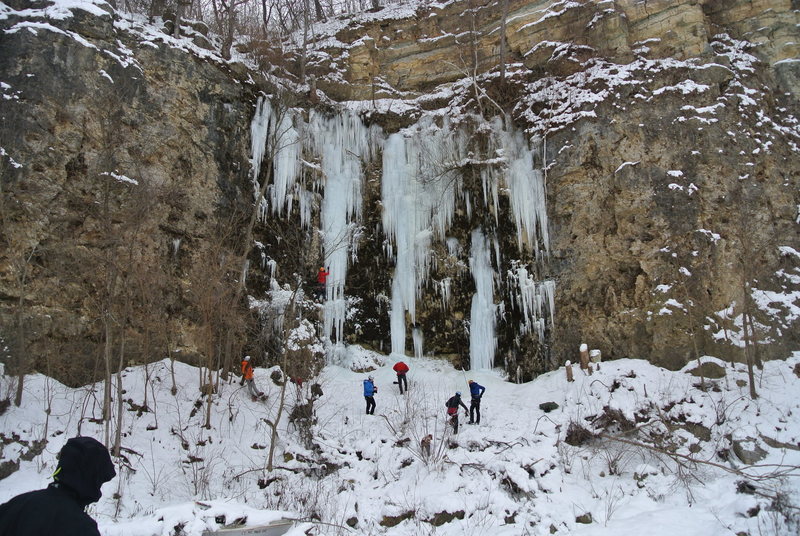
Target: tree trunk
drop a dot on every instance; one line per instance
(176, 30)
(107, 377)
(503, 42)
(210, 399)
(747, 328)
(748, 354)
(319, 11)
(118, 431)
(274, 426)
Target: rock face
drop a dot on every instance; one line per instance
(119, 151)
(445, 43)
(667, 132)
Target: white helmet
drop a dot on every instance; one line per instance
(247, 358)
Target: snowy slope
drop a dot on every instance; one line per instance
(513, 474)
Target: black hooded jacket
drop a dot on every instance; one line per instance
(58, 510)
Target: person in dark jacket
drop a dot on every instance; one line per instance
(401, 369)
(58, 510)
(369, 391)
(476, 391)
(452, 409)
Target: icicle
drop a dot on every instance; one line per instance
(526, 190)
(176, 246)
(535, 299)
(453, 247)
(482, 339)
(245, 269)
(287, 163)
(444, 291)
(272, 268)
(259, 131)
(416, 335)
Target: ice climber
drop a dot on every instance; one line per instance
(322, 279)
(401, 369)
(84, 466)
(247, 378)
(476, 390)
(370, 389)
(452, 409)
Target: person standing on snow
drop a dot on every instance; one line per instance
(84, 466)
(401, 369)
(322, 279)
(247, 377)
(370, 389)
(452, 409)
(476, 390)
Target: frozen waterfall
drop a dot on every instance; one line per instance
(421, 188)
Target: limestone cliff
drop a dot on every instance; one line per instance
(120, 150)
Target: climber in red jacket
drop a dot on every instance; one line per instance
(322, 278)
(401, 369)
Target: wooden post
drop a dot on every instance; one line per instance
(568, 366)
(584, 356)
(595, 357)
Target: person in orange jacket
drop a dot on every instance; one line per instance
(401, 369)
(247, 377)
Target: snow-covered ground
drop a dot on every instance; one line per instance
(516, 473)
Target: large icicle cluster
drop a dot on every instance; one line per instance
(343, 143)
(419, 188)
(535, 299)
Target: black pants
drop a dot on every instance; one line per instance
(454, 422)
(402, 383)
(370, 405)
(475, 411)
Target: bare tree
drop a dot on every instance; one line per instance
(503, 41)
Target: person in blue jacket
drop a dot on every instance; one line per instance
(476, 390)
(370, 389)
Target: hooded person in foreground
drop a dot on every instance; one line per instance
(58, 510)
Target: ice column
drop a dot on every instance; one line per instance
(482, 340)
(417, 337)
(259, 132)
(342, 143)
(419, 189)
